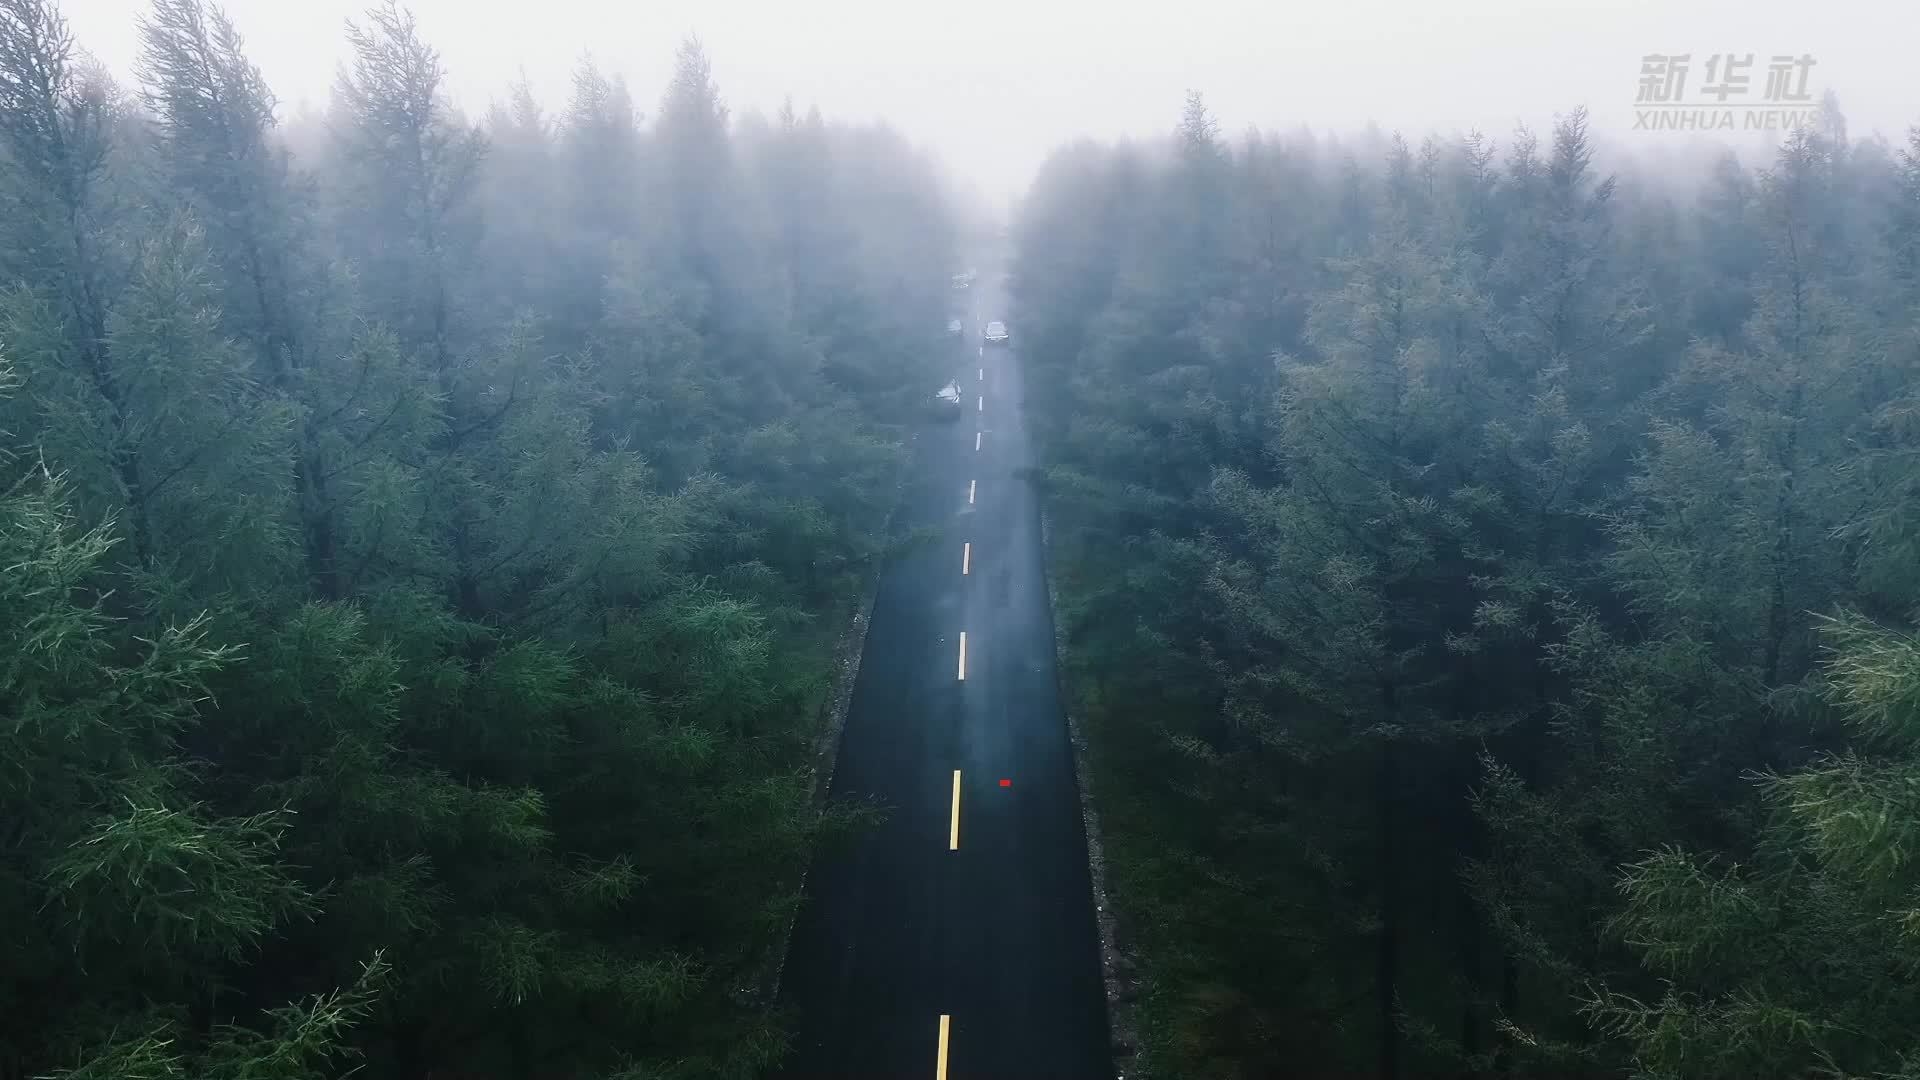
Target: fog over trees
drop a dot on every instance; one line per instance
(421, 561)
(1489, 582)
(1487, 573)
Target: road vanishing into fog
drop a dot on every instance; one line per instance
(957, 940)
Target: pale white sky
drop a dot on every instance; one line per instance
(993, 85)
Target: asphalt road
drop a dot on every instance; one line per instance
(957, 940)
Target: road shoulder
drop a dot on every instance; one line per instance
(1119, 968)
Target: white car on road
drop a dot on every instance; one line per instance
(996, 333)
(946, 402)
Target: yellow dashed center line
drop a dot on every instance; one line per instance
(940, 1063)
(953, 830)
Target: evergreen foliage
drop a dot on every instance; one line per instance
(1448, 537)
(423, 556)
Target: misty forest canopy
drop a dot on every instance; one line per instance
(1489, 579)
(422, 556)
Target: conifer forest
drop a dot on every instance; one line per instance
(1485, 572)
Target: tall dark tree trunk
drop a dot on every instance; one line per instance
(1779, 616)
(90, 312)
(316, 514)
(466, 582)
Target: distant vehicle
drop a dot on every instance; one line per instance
(996, 333)
(962, 281)
(946, 402)
(953, 327)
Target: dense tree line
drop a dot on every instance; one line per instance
(1490, 586)
(422, 556)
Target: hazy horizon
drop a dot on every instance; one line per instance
(996, 87)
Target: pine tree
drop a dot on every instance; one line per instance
(131, 900)
(410, 166)
(1791, 961)
(511, 773)
(56, 124)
